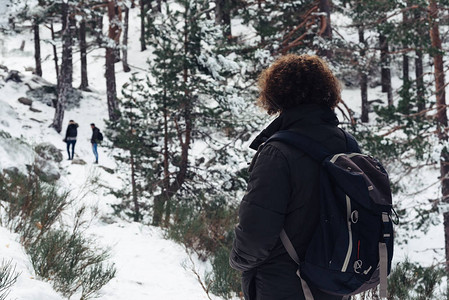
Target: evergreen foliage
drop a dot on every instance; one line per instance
(8, 277)
(130, 134)
(33, 206)
(284, 27)
(411, 281)
(66, 257)
(194, 92)
(208, 229)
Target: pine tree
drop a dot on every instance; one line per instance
(130, 134)
(177, 49)
(190, 94)
(284, 27)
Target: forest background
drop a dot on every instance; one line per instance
(179, 127)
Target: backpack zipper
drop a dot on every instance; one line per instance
(349, 252)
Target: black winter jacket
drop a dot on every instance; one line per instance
(95, 135)
(72, 132)
(283, 192)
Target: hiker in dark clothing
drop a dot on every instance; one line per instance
(283, 189)
(70, 137)
(95, 140)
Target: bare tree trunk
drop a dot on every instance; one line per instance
(97, 27)
(149, 10)
(143, 46)
(259, 7)
(83, 52)
(118, 18)
(65, 82)
(419, 71)
(419, 74)
(385, 68)
(111, 89)
(37, 48)
(405, 60)
(441, 115)
(161, 200)
(55, 52)
(114, 36)
(405, 68)
(125, 41)
(326, 28)
(134, 189)
(438, 64)
(223, 15)
(166, 163)
(69, 65)
(363, 79)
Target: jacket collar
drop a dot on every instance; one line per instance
(306, 114)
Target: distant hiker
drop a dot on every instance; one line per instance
(70, 137)
(283, 189)
(96, 138)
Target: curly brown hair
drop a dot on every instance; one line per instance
(293, 80)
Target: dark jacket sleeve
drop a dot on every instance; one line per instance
(262, 210)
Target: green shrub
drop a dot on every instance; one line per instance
(225, 280)
(32, 206)
(207, 228)
(68, 260)
(411, 281)
(8, 277)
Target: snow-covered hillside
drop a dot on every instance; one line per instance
(148, 265)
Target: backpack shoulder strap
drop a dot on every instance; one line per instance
(292, 252)
(304, 143)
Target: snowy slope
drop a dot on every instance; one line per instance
(148, 265)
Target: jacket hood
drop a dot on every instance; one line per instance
(309, 114)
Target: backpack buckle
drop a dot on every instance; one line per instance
(385, 220)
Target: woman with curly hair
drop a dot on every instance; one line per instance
(284, 182)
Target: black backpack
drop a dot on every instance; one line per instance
(100, 136)
(352, 247)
